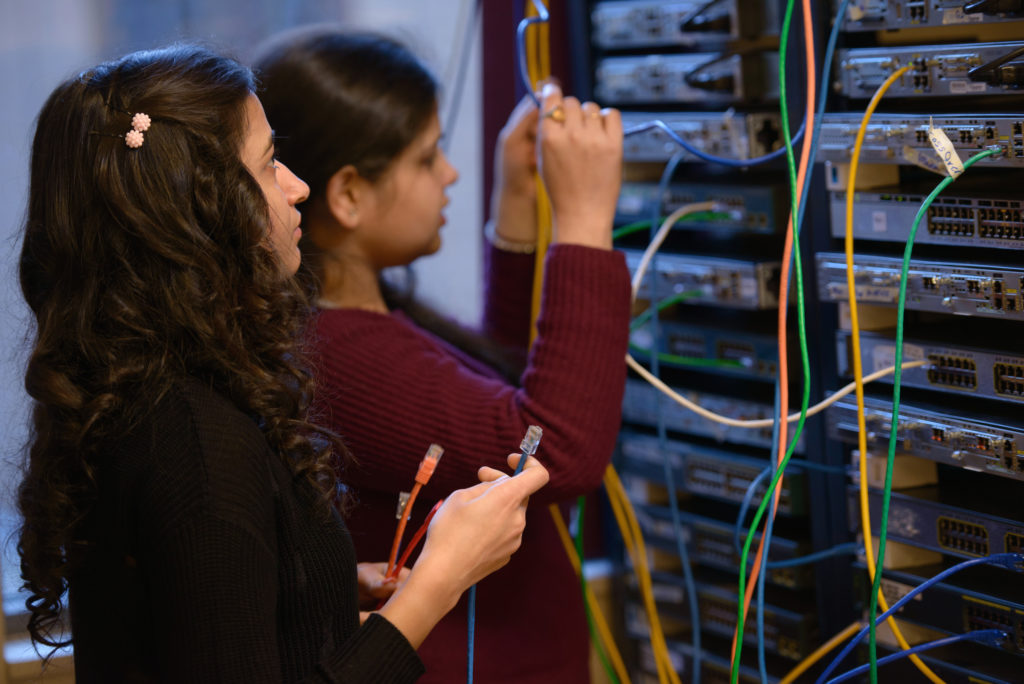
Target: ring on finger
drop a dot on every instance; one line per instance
(556, 113)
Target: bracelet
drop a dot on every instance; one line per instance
(491, 233)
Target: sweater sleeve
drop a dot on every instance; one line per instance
(244, 582)
(390, 390)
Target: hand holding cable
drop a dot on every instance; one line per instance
(579, 152)
(423, 474)
(514, 198)
(474, 533)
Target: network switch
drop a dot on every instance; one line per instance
(710, 472)
(964, 221)
(632, 24)
(916, 518)
(988, 602)
(903, 138)
(710, 543)
(988, 291)
(624, 24)
(731, 283)
(889, 15)
(955, 369)
(703, 78)
(787, 632)
(643, 404)
(728, 134)
(741, 353)
(970, 70)
(761, 208)
(961, 439)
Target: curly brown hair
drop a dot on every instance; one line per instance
(144, 267)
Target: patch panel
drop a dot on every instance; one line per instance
(731, 283)
(902, 138)
(916, 518)
(963, 440)
(955, 369)
(643, 403)
(702, 78)
(889, 15)
(728, 134)
(710, 543)
(942, 287)
(760, 207)
(968, 221)
(937, 70)
(630, 24)
(988, 601)
(710, 472)
(788, 633)
(754, 355)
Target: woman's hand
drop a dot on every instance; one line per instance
(514, 198)
(580, 156)
(473, 534)
(478, 529)
(374, 586)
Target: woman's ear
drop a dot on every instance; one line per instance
(346, 195)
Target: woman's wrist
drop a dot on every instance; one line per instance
(419, 604)
(505, 244)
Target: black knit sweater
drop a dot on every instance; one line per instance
(206, 561)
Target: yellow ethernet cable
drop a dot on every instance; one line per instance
(858, 369)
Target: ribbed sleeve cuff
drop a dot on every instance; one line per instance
(379, 653)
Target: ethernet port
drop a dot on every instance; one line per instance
(962, 537)
(1009, 379)
(953, 372)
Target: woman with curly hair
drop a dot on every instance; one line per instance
(177, 496)
(358, 118)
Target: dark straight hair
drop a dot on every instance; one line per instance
(337, 99)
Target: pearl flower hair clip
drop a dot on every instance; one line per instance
(140, 124)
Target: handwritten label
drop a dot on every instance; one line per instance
(925, 161)
(944, 148)
(956, 15)
(884, 356)
(879, 222)
(962, 87)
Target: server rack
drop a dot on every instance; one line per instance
(966, 77)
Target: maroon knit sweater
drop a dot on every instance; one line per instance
(391, 389)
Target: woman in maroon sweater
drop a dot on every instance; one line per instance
(357, 117)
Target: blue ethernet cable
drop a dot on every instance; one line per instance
(524, 74)
(677, 527)
(989, 637)
(1011, 561)
(748, 499)
(528, 447)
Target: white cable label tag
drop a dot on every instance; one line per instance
(944, 148)
(925, 161)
